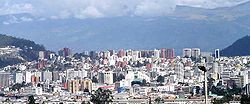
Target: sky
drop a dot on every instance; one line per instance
(81, 9)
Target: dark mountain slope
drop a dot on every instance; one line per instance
(238, 48)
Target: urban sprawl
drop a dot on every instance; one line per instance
(125, 77)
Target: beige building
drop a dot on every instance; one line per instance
(77, 85)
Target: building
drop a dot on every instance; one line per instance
(73, 86)
(46, 76)
(108, 77)
(121, 53)
(217, 53)
(187, 52)
(156, 53)
(41, 55)
(28, 77)
(77, 85)
(65, 52)
(196, 52)
(18, 77)
(55, 76)
(4, 79)
(247, 89)
(170, 54)
(71, 74)
(163, 53)
(41, 64)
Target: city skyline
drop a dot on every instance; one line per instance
(124, 51)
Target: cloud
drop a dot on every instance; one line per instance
(155, 7)
(210, 4)
(26, 19)
(90, 12)
(61, 9)
(7, 8)
(11, 20)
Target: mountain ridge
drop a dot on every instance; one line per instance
(239, 48)
(193, 27)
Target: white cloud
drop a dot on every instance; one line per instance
(90, 12)
(60, 9)
(210, 4)
(26, 19)
(15, 8)
(11, 20)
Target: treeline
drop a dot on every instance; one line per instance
(18, 42)
(9, 61)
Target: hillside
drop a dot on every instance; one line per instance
(238, 48)
(28, 50)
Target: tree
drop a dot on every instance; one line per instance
(16, 86)
(245, 99)
(149, 102)
(144, 82)
(31, 100)
(83, 102)
(160, 79)
(120, 77)
(101, 96)
(94, 79)
(159, 100)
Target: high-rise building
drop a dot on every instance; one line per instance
(101, 77)
(187, 52)
(93, 54)
(170, 54)
(156, 53)
(46, 75)
(76, 85)
(135, 55)
(71, 74)
(73, 86)
(108, 77)
(28, 77)
(179, 69)
(55, 76)
(4, 79)
(18, 77)
(196, 52)
(217, 53)
(121, 53)
(163, 53)
(41, 55)
(65, 52)
(129, 52)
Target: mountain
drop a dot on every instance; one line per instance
(207, 29)
(238, 48)
(28, 50)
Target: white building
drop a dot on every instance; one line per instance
(18, 77)
(46, 75)
(71, 74)
(108, 77)
(28, 77)
(187, 52)
(196, 52)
